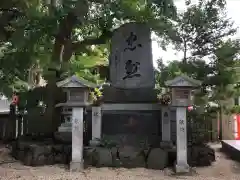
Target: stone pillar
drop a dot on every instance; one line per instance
(96, 125)
(16, 121)
(166, 128)
(22, 125)
(181, 121)
(16, 129)
(166, 125)
(77, 163)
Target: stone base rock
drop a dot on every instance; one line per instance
(94, 143)
(157, 159)
(63, 137)
(166, 145)
(76, 166)
(131, 157)
(32, 153)
(104, 157)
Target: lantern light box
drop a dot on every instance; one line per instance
(181, 88)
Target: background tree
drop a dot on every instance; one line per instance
(56, 35)
(202, 27)
(208, 53)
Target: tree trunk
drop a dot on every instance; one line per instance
(61, 52)
(63, 49)
(184, 51)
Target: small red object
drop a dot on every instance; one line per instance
(236, 118)
(190, 108)
(15, 99)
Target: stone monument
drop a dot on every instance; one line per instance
(131, 63)
(131, 66)
(130, 111)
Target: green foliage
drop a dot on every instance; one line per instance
(96, 96)
(203, 31)
(202, 27)
(31, 30)
(82, 65)
(235, 110)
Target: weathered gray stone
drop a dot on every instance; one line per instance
(64, 137)
(104, 157)
(76, 166)
(57, 148)
(47, 149)
(94, 143)
(157, 159)
(131, 63)
(166, 145)
(23, 144)
(20, 155)
(58, 158)
(112, 94)
(91, 156)
(14, 152)
(38, 155)
(28, 157)
(131, 157)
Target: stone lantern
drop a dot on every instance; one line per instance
(181, 88)
(77, 91)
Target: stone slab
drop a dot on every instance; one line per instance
(131, 63)
(116, 95)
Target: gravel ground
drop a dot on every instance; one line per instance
(222, 169)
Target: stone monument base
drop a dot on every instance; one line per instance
(182, 168)
(94, 143)
(77, 166)
(166, 144)
(115, 95)
(65, 137)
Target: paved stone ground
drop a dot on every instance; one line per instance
(222, 169)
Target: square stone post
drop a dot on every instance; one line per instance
(181, 121)
(166, 128)
(77, 163)
(166, 125)
(181, 88)
(96, 124)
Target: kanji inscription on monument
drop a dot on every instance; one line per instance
(131, 63)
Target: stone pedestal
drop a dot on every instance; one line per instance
(77, 166)
(96, 125)
(16, 130)
(166, 128)
(65, 127)
(77, 139)
(139, 95)
(22, 126)
(181, 121)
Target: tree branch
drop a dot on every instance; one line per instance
(92, 41)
